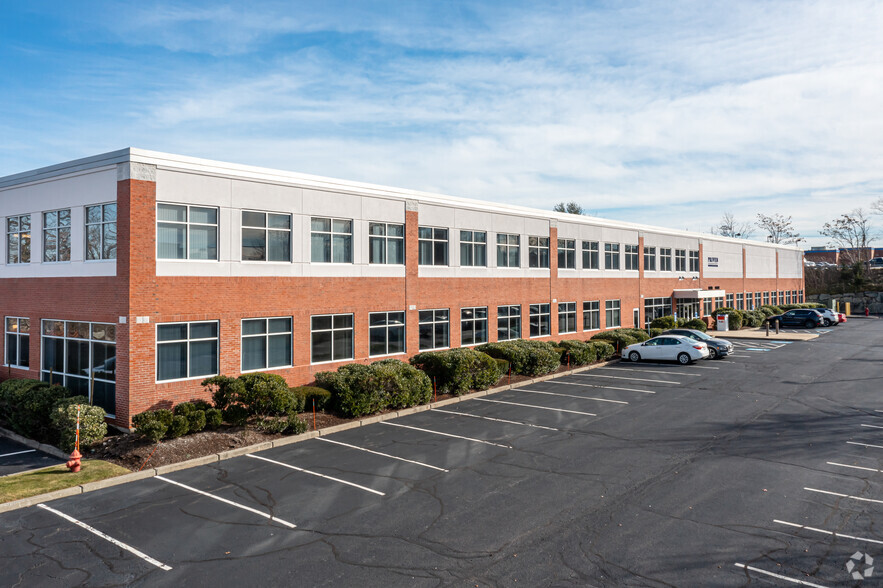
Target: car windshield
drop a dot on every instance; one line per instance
(701, 336)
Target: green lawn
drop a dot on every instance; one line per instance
(54, 478)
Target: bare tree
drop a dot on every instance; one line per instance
(571, 208)
(778, 229)
(730, 227)
(852, 234)
(877, 206)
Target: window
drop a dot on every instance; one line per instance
(766, 298)
(18, 341)
(729, 302)
(707, 306)
(186, 232)
(186, 350)
(590, 255)
(82, 357)
(631, 257)
(611, 308)
(757, 302)
(101, 231)
(432, 246)
(611, 256)
(591, 315)
(386, 333)
(694, 261)
(434, 329)
(331, 240)
(740, 301)
(665, 259)
(655, 308)
(649, 259)
(266, 236)
(787, 296)
(331, 337)
(266, 343)
(566, 253)
(508, 250)
(800, 298)
(538, 251)
(57, 235)
(386, 243)
(508, 323)
(473, 325)
(680, 260)
(18, 239)
(540, 320)
(473, 248)
(566, 317)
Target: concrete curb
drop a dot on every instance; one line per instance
(216, 457)
(759, 333)
(51, 450)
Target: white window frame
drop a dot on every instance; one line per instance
(56, 231)
(333, 330)
(102, 231)
(385, 328)
(471, 244)
(509, 319)
(536, 245)
(386, 238)
(567, 253)
(649, 259)
(475, 322)
(609, 308)
(267, 229)
(435, 241)
(188, 340)
(568, 310)
(540, 314)
(665, 259)
(631, 258)
(20, 236)
(266, 337)
(187, 223)
(506, 242)
(593, 250)
(332, 233)
(680, 260)
(611, 255)
(18, 334)
(593, 309)
(694, 260)
(435, 321)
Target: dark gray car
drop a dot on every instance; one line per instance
(717, 348)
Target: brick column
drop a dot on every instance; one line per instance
(412, 280)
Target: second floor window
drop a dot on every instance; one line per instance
(631, 257)
(57, 235)
(590, 255)
(665, 259)
(680, 260)
(611, 256)
(331, 240)
(538, 251)
(432, 246)
(694, 261)
(473, 248)
(386, 243)
(508, 250)
(101, 231)
(266, 236)
(566, 253)
(18, 239)
(649, 259)
(186, 232)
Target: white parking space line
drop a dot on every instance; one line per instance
(317, 474)
(625, 378)
(604, 387)
(230, 502)
(536, 407)
(865, 444)
(486, 418)
(695, 367)
(855, 467)
(839, 495)
(569, 395)
(869, 426)
(119, 544)
(779, 576)
(832, 533)
(420, 463)
(444, 434)
(623, 369)
(18, 453)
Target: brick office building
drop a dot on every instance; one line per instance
(136, 274)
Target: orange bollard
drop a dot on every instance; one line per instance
(74, 464)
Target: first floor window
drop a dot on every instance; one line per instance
(740, 301)
(707, 306)
(566, 317)
(611, 256)
(540, 320)
(331, 337)
(680, 260)
(508, 250)
(611, 308)
(631, 257)
(266, 236)
(331, 240)
(508, 322)
(473, 325)
(649, 259)
(432, 246)
(665, 259)
(591, 315)
(18, 239)
(787, 297)
(82, 357)
(186, 232)
(473, 248)
(18, 341)
(266, 343)
(101, 231)
(386, 333)
(729, 302)
(434, 329)
(801, 296)
(57, 235)
(766, 298)
(566, 253)
(757, 301)
(186, 350)
(590, 255)
(655, 308)
(386, 243)
(538, 251)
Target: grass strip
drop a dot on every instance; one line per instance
(25, 484)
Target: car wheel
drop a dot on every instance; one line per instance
(809, 324)
(826, 322)
(683, 358)
(712, 353)
(634, 356)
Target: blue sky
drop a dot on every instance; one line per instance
(665, 113)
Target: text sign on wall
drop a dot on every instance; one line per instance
(712, 262)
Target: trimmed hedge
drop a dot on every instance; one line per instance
(258, 394)
(26, 407)
(580, 353)
(697, 324)
(457, 371)
(365, 389)
(602, 349)
(736, 316)
(64, 422)
(654, 332)
(667, 322)
(617, 338)
(527, 358)
(308, 394)
(754, 318)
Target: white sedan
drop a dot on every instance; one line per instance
(667, 347)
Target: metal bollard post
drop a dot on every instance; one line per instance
(777, 326)
(768, 328)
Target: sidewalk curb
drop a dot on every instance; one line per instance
(51, 450)
(216, 457)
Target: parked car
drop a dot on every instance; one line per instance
(667, 348)
(841, 317)
(717, 348)
(799, 317)
(829, 317)
(876, 263)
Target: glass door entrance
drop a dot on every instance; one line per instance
(688, 308)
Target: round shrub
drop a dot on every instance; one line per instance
(196, 421)
(164, 416)
(767, 310)
(236, 414)
(271, 424)
(153, 430)
(502, 365)
(697, 324)
(754, 318)
(310, 394)
(602, 350)
(26, 407)
(640, 335)
(736, 316)
(64, 422)
(527, 358)
(352, 391)
(456, 371)
(265, 394)
(401, 385)
(201, 404)
(295, 425)
(224, 390)
(616, 338)
(184, 409)
(213, 418)
(178, 427)
(580, 353)
(654, 332)
(663, 322)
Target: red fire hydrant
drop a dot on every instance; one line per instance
(867, 311)
(74, 464)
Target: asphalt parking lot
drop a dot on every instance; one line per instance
(16, 458)
(763, 468)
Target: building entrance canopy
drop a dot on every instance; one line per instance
(698, 293)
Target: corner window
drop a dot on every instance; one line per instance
(508, 322)
(186, 232)
(665, 259)
(611, 256)
(611, 308)
(18, 341)
(680, 260)
(473, 325)
(566, 253)
(82, 357)
(508, 250)
(266, 236)
(694, 261)
(590, 255)
(566, 317)
(331, 240)
(386, 243)
(432, 246)
(434, 329)
(649, 259)
(540, 320)
(18, 239)
(591, 315)
(631, 257)
(740, 301)
(331, 337)
(473, 248)
(538, 252)
(57, 235)
(386, 333)
(186, 350)
(655, 308)
(266, 343)
(101, 231)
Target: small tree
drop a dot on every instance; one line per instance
(778, 228)
(730, 227)
(852, 234)
(877, 206)
(571, 208)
